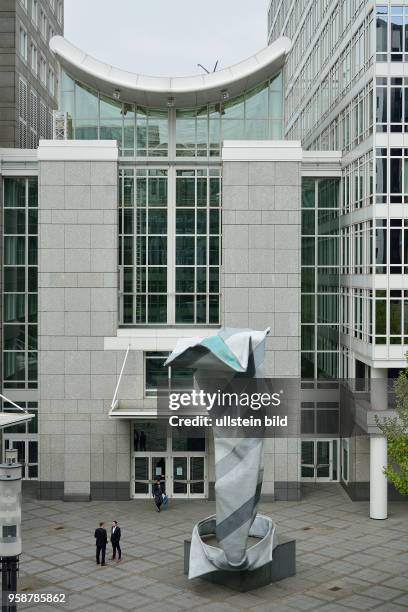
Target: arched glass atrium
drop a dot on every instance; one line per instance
(170, 134)
(173, 132)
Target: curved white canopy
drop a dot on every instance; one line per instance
(156, 91)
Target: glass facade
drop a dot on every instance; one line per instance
(20, 273)
(392, 32)
(198, 238)
(320, 278)
(198, 133)
(170, 216)
(169, 246)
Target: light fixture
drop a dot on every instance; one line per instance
(224, 94)
(116, 94)
(171, 102)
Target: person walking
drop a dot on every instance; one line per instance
(115, 539)
(101, 538)
(158, 494)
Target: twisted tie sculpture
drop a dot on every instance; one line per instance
(216, 360)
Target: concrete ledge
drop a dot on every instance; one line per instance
(283, 565)
(50, 490)
(360, 491)
(76, 497)
(110, 491)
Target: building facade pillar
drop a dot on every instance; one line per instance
(261, 280)
(378, 448)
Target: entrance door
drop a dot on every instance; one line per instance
(147, 469)
(319, 460)
(189, 476)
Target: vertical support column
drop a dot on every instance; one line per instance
(378, 448)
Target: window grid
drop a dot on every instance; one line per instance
(392, 33)
(320, 278)
(143, 246)
(198, 236)
(20, 273)
(199, 132)
(169, 276)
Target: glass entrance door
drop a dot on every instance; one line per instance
(147, 469)
(319, 460)
(189, 476)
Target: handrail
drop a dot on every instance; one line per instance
(3, 397)
(115, 395)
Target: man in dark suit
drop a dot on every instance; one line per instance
(115, 540)
(101, 538)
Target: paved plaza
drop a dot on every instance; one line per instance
(345, 561)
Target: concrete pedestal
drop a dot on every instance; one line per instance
(283, 565)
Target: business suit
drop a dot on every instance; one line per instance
(101, 538)
(158, 490)
(115, 539)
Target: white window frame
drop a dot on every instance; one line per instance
(51, 81)
(34, 12)
(59, 11)
(44, 25)
(43, 70)
(23, 43)
(34, 58)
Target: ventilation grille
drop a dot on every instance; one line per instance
(22, 113)
(33, 120)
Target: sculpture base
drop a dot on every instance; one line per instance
(283, 565)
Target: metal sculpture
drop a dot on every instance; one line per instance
(216, 360)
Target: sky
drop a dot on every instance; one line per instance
(167, 37)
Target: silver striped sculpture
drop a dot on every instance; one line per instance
(238, 460)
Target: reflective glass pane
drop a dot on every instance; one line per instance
(150, 436)
(197, 475)
(180, 475)
(86, 103)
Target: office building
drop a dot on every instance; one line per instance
(262, 195)
(29, 73)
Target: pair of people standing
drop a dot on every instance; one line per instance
(101, 538)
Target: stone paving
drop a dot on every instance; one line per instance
(345, 561)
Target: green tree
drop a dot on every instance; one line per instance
(396, 431)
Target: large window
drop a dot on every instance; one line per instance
(391, 176)
(169, 277)
(143, 250)
(198, 229)
(199, 132)
(392, 33)
(257, 115)
(20, 283)
(159, 377)
(320, 278)
(139, 132)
